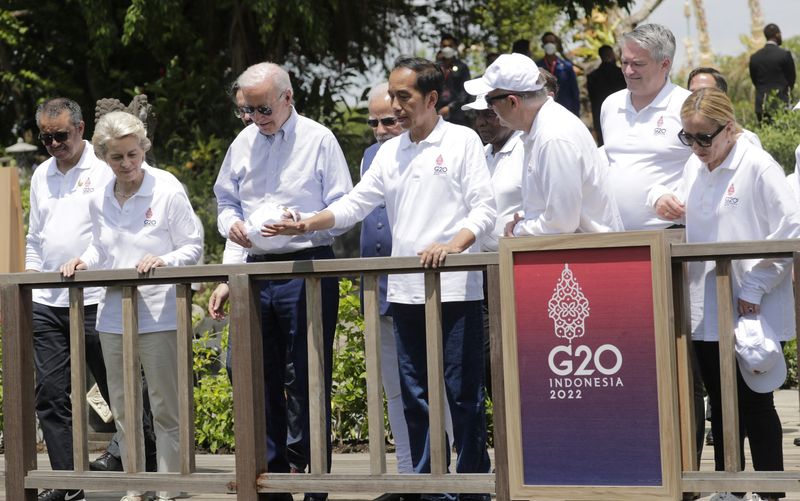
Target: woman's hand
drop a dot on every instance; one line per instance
(746, 308)
(68, 269)
(149, 262)
(216, 303)
(670, 208)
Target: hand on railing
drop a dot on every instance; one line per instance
(149, 262)
(69, 268)
(216, 303)
(746, 308)
(434, 255)
(670, 208)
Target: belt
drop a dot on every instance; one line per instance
(301, 255)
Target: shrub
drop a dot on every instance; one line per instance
(213, 397)
(781, 136)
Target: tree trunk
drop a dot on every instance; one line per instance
(756, 22)
(706, 56)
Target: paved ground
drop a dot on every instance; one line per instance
(786, 401)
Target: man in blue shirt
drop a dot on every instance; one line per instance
(568, 94)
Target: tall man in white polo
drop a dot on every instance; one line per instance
(435, 183)
(284, 160)
(564, 184)
(641, 124)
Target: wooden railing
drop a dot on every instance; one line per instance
(251, 477)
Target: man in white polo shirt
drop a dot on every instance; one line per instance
(641, 124)
(564, 184)
(434, 181)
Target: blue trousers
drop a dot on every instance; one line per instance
(283, 329)
(462, 330)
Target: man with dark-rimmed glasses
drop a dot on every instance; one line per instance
(290, 162)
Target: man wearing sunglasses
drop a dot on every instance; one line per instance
(288, 161)
(60, 227)
(564, 183)
(640, 126)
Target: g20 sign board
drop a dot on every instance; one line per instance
(589, 358)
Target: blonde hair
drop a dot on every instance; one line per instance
(712, 104)
(116, 125)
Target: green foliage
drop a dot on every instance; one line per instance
(213, 397)
(790, 354)
(781, 136)
(349, 395)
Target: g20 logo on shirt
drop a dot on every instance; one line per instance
(439, 169)
(659, 129)
(730, 197)
(148, 217)
(577, 369)
(86, 185)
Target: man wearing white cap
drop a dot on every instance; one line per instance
(641, 124)
(564, 184)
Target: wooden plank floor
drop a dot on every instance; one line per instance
(786, 401)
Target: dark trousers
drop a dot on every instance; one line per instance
(462, 330)
(283, 329)
(53, 385)
(758, 419)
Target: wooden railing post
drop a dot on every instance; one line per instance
(248, 385)
(19, 433)
(317, 401)
(796, 283)
(77, 353)
(372, 348)
(727, 367)
(185, 380)
(436, 391)
(498, 384)
(132, 379)
(684, 354)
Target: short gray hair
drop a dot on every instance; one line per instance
(259, 73)
(116, 125)
(58, 105)
(656, 39)
(379, 90)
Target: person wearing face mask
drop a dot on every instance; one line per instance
(568, 94)
(455, 74)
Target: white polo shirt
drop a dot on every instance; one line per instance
(643, 150)
(565, 185)
(60, 227)
(745, 198)
(505, 167)
(157, 220)
(433, 189)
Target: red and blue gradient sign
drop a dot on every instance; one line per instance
(587, 367)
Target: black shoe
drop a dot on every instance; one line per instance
(709, 438)
(106, 462)
(797, 441)
(60, 495)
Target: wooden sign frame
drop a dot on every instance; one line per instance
(663, 411)
(12, 243)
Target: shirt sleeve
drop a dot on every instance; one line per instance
(358, 203)
(94, 255)
(559, 176)
(33, 245)
(226, 189)
(233, 253)
(187, 239)
(478, 193)
(336, 181)
(776, 202)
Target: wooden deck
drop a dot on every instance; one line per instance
(786, 401)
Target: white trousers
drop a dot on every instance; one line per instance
(158, 354)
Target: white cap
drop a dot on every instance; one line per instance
(514, 72)
(266, 214)
(479, 104)
(760, 356)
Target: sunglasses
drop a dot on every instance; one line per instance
(702, 140)
(385, 121)
(496, 97)
(59, 136)
(251, 110)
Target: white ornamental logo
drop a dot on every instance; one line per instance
(568, 307)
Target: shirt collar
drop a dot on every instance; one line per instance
(287, 130)
(736, 154)
(509, 145)
(434, 137)
(536, 121)
(660, 102)
(145, 190)
(82, 164)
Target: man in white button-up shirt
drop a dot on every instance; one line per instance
(641, 124)
(283, 160)
(436, 187)
(564, 183)
(60, 229)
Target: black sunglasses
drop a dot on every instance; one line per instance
(490, 99)
(385, 121)
(702, 140)
(251, 110)
(59, 136)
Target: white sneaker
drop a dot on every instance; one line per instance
(757, 497)
(726, 496)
